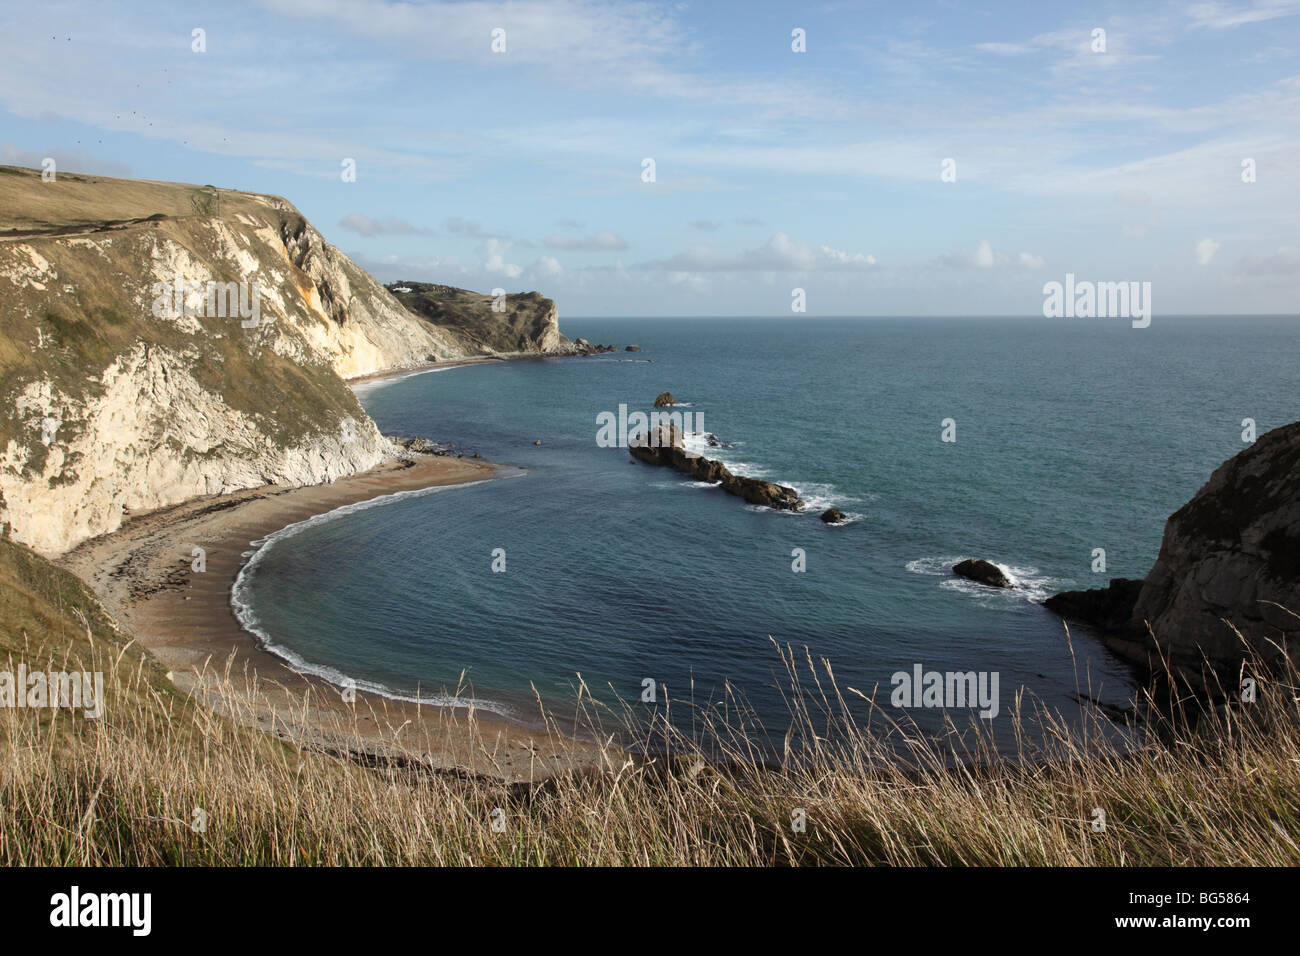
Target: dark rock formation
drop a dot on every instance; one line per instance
(706, 469)
(663, 448)
(423, 446)
(633, 348)
(984, 572)
(583, 347)
(766, 493)
(1109, 611)
(1230, 558)
(1110, 607)
(664, 399)
(832, 515)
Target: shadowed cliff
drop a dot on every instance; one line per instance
(1230, 559)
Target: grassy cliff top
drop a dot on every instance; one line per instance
(519, 324)
(75, 202)
(79, 258)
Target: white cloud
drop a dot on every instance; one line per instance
(637, 45)
(1078, 44)
(492, 254)
(365, 226)
(689, 280)
(467, 227)
(1003, 49)
(1285, 261)
(984, 256)
(547, 267)
(1220, 16)
(1138, 230)
(603, 241)
(779, 254)
(1205, 250)
(452, 271)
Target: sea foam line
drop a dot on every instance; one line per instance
(1030, 582)
(366, 387)
(241, 603)
(817, 496)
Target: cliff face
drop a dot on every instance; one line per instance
(1230, 555)
(1232, 552)
(123, 395)
(528, 322)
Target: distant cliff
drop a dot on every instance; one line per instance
(527, 322)
(132, 379)
(1230, 556)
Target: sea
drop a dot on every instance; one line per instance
(1055, 448)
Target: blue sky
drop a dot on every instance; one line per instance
(819, 170)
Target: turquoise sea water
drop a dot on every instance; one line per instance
(1071, 436)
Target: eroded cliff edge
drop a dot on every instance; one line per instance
(114, 405)
(1230, 558)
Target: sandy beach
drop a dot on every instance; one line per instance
(143, 575)
(393, 374)
(390, 374)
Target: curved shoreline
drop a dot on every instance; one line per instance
(142, 573)
(241, 605)
(391, 375)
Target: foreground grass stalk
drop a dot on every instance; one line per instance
(162, 778)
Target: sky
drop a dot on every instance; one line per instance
(912, 158)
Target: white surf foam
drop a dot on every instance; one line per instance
(1030, 583)
(817, 496)
(684, 484)
(364, 388)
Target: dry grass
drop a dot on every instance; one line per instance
(77, 200)
(122, 790)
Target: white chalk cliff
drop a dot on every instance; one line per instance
(118, 405)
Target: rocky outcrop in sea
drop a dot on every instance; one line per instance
(984, 572)
(1229, 562)
(583, 347)
(663, 447)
